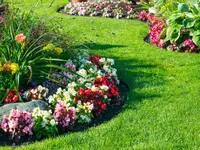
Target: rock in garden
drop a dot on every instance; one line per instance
(28, 106)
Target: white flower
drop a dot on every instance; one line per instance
(105, 96)
(152, 10)
(94, 88)
(40, 88)
(50, 111)
(79, 103)
(106, 68)
(88, 62)
(90, 106)
(99, 73)
(104, 87)
(59, 91)
(91, 70)
(72, 91)
(73, 84)
(88, 85)
(66, 96)
(82, 73)
(53, 122)
(102, 60)
(111, 61)
(82, 80)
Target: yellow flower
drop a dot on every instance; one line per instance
(49, 46)
(58, 50)
(14, 67)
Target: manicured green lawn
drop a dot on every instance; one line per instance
(163, 111)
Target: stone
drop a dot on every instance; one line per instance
(27, 106)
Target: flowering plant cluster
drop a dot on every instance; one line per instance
(9, 67)
(84, 97)
(95, 87)
(45, 124)
(111, 8)
(65, 115)
(28, 53)
(18, 124)
(172, 36)
(39, 93)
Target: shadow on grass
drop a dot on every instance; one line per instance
(95, 46)
(140, 76)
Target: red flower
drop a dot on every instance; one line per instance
(94, 97)
(81, 91)
(15, 98)
(95, 60)
(12, 96)
(113, 90)
(103, 106)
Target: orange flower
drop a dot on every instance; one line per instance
(7, 66)
(20, 38)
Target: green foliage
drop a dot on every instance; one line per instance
(166, 7)
(34, 62)
(44, 131)
(183, 7)
(183, 24)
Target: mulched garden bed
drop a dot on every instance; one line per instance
(112, 110)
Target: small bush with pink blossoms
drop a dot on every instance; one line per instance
(17, 124)
(65, 115)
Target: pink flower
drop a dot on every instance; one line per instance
(143, 15)
(18, 123)
(190, 45)
(65, 115)
(27, 130)
(154, 33)
(20, 38)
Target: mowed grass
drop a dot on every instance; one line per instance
(163, 110)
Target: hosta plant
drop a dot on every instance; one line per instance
(184, 25)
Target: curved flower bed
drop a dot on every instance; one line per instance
(85, 97)
(110, 9)
(180, 32)
(48, 89)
